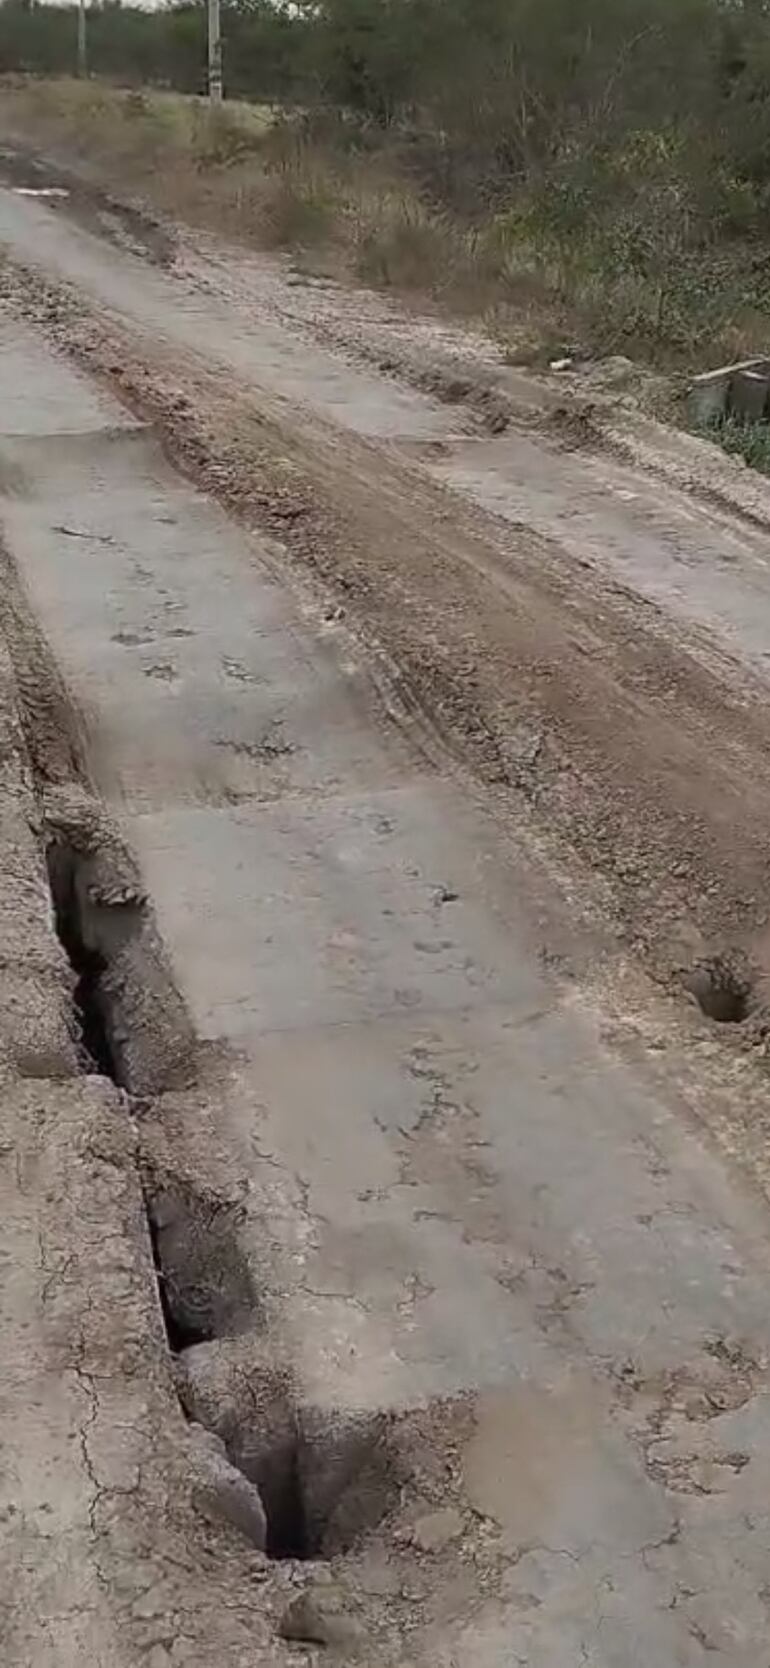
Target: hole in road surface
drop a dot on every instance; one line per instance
(280, 1487)
(322, 1490)
(87, 964)
(327, 1488)
(722, 991)
(325, 1476)
(205, 1285)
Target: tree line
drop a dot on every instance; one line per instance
(534, 69)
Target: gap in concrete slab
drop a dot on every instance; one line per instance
(131, 1018)
(86, 961)
(205, 1283)
(181, 1331)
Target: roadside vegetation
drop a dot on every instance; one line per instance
(594, 172)
(744, 438)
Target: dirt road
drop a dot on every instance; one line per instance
(386, 1252)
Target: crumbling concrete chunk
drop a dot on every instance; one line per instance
(321, 1616)
(221, 1490)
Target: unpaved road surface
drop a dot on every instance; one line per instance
(385, 1255)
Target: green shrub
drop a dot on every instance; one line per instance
(748, 440)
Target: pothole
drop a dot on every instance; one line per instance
(280, 1489)
(326, 1477)
(335, 1484)
(722, 989)
(204, 1281)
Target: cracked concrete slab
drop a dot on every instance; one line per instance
(39, 397)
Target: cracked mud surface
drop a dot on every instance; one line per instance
(406, 1303)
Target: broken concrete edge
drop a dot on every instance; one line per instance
(329, 1475)
(39, 1029)
(140, 1505)
(54, 828)
(163, 1502)
(149, 1458)
(37, 1033)
(224, 1490)
(40, 1038)
(334, 1476)
(113, 1326)
(331, 1480)
(48, 719)
(104, 913)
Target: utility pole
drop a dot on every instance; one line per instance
(215, 52)
(82, 52)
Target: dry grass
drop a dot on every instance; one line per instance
(262, 182)
(336, 207)
(344, 207)
(339, 208)
(344, 203)
(182, 156)
(85, 112)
